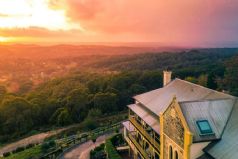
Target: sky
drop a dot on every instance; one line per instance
(198, 23)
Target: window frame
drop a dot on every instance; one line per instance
(176, 154)
(171, 153)
(204, 132)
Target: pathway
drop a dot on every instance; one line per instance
(39, 138)
(83, 151)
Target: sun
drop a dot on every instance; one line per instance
(3, 39)
(32, 13)
(6, 39)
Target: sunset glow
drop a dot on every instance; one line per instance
(4, 39)
(33, 13)
(170, 22)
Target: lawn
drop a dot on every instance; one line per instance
(31, 152)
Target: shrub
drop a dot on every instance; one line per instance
(94, 138)
(90, 124)
(45, 147)
(52, 143)
(14, 151)
(111, 150)
(117, 130)
(6, 154)
(19, 149)
(33, 132)
(29, 146)
(117, 140)
(98, 152)
(100, 147)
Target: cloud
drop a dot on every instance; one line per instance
(171, 21)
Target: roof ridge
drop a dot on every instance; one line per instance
(204, 87)
(204, 100)
(157, 88)
(229, 118)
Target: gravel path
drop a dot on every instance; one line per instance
(39, 138)
(83, 151)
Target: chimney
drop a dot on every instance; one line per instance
(167, 77)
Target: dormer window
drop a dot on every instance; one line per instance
(204, 127)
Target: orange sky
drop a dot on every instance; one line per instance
(169, 22)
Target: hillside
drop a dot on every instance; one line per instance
(24, 67)
(63, 91)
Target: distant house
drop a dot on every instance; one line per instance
(183, 120)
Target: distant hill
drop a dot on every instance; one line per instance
(60, 51)
(22, 67)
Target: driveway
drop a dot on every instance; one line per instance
(83, 151)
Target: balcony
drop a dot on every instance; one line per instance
(139, 127)
(138, 146)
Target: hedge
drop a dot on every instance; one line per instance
(98, 152)
(6, 154)
(20, 149)
(111, 150)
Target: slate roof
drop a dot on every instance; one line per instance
(216, 112)
(158, 100)
(227, 147)
(197, 103)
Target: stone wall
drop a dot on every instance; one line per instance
(173, 132)
(168, 142)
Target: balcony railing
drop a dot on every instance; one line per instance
(139, 127)
(138, 146)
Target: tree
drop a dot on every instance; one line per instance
(106, 102)
(3, 92)
(43, 108)
(25, 87)
(94, 113)
(64, 117)
(77, 100)
(90, 123)
(231, 76)
(191, 79)
(212, 81)
(96, 85)
(202, 80)
(61, 117)
(16, 115)
(151, 79)
(137, 89)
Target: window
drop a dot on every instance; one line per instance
(146, 145)
(139, 156)
(156, 156)
(204, 127)
(170, 152)
(176, 155)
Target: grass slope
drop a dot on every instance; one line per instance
(28, 153)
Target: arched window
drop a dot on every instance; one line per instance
(176, 155)
(170, 152)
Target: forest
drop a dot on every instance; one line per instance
(81, 95)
